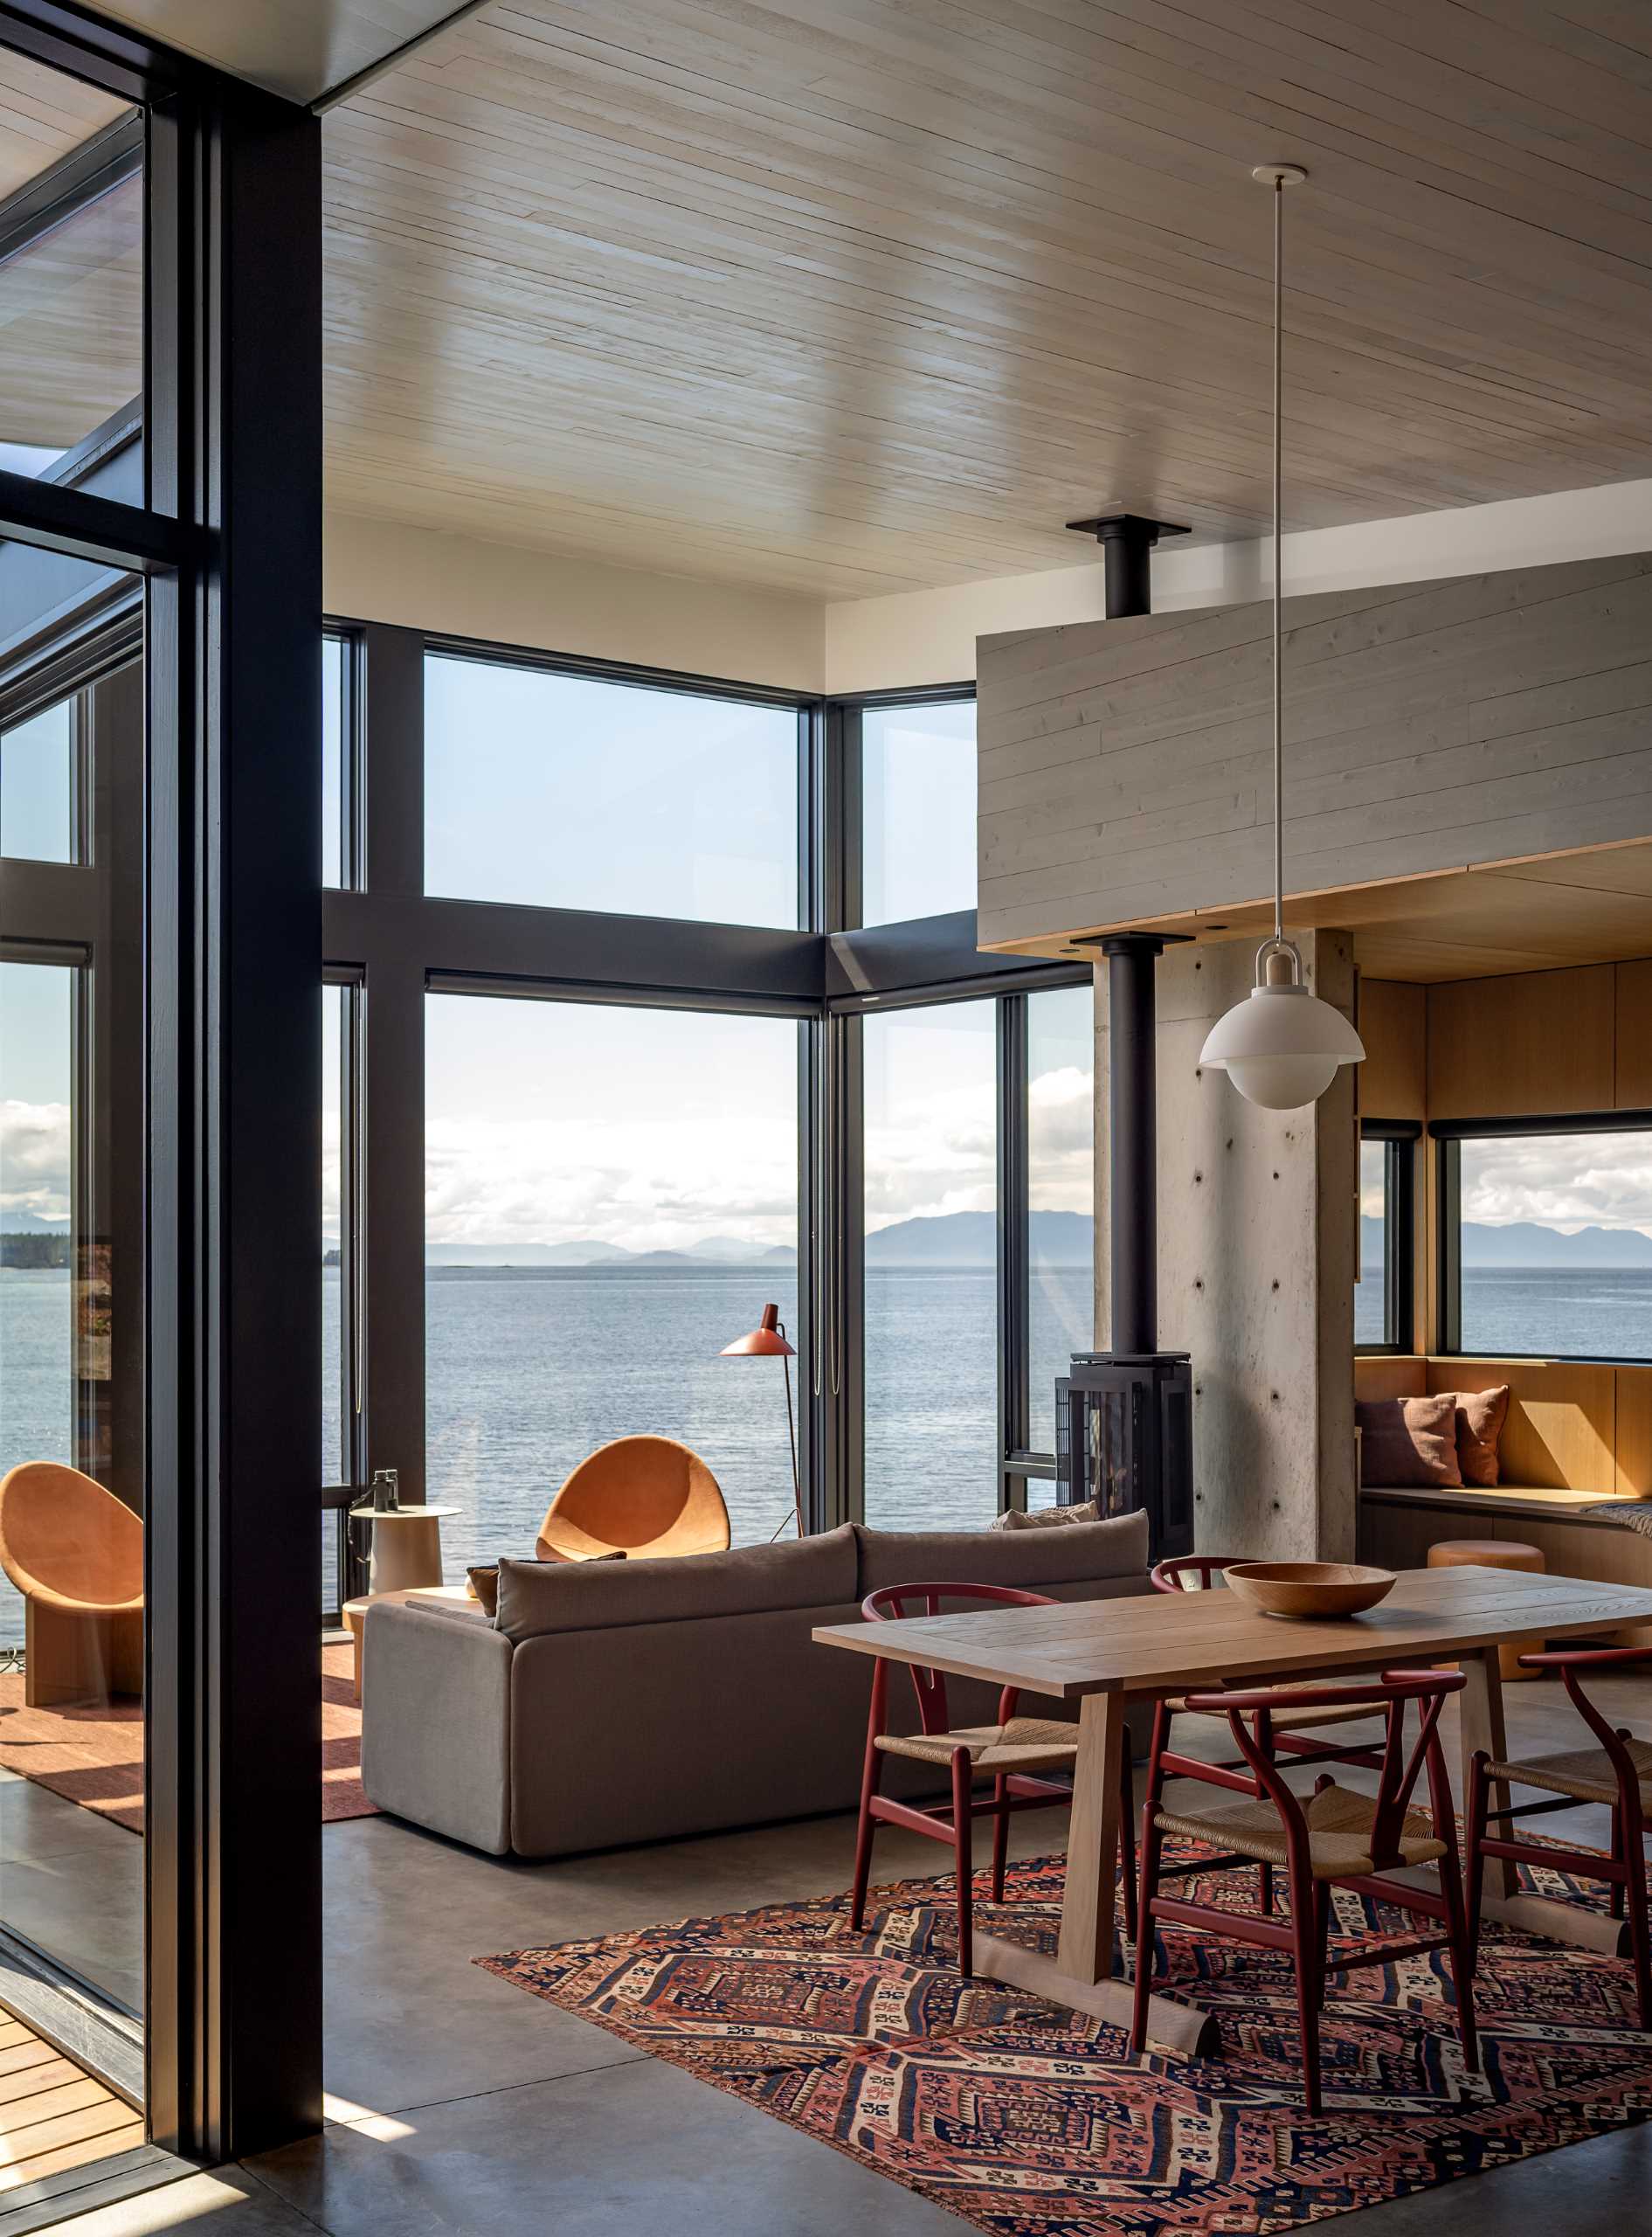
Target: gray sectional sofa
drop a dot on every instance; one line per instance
(610, 1703)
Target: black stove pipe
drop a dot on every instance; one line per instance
(1127, 541)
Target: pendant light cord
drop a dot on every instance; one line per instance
(1279, 712)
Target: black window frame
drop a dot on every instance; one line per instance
(1400, 1139)
(223, 528)
(397, 943)
(1448, 1136)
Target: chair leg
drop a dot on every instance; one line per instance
(963, 1837)
(1000, 1837)
(1616, 1898)
(1127, 1843)
(1150, 1848)
(869, 1775)
(1635, 1903)
(1461, 1960)
(1474, 1862)
(1267, 1874)
(1304, 1939)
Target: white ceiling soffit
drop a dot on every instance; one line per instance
(857, 296)
(299, 48)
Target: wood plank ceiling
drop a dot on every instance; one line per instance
(856, 297)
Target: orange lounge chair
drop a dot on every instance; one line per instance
(75, 1553)
(648, 1496)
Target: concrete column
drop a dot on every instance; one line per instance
(1257, 1242)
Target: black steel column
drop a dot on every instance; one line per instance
(1133, 1136)
(1127, 541)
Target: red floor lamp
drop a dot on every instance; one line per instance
(768, 1341)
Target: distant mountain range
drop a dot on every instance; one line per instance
(22, 1223)
(1524, 1243)
(1058, 1239)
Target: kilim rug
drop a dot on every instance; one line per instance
(94, 1755)
(1029, 2121)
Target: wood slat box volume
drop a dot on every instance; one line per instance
(1124, 765)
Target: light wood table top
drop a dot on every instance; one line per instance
(1105, 1654)
(1161, 1642)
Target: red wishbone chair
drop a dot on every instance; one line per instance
(1618, 1773)
(1169, 1576)
(1334, 1838)
(1013, 1753)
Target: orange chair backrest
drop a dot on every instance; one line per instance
(66, 1539)
(645, 1495)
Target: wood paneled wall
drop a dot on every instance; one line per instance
(1541, 1042)
(1124, 765)
(1535, 1042)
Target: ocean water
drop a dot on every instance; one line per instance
(525, 1374)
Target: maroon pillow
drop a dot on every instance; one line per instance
(1409, 1443)
(1481, 1414)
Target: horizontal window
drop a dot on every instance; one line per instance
(572, 792)
(1554, 1242)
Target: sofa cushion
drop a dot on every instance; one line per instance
(1409, 1443)
(536, 1597)
(1029, 1558)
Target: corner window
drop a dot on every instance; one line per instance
(918, 791)
(1547, 1243)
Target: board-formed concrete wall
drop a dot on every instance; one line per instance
(1125, 766)
(1257, 1250)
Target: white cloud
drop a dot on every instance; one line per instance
(1565, 1182)
(36, 1146)
(647, 1184)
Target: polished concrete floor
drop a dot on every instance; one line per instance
(462, 2104)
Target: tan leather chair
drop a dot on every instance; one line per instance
(644, 1495)
(75, 1552)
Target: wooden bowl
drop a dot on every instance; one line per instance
(1309, 1588)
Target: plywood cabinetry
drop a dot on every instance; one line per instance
(1532, 1043)
(1632, 1080)
(1394, 1024)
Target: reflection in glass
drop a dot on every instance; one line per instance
(931, 1255)
(335, 729)
(918, 821)
(37, 786)
(1371, 1289)
(72, 279)
(37, 1241)
(1061, 1158)
(610, 1197)
(572, 792)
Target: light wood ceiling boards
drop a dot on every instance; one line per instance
(855, 297)
(300, 48)
(44, 115)
(1593, 907)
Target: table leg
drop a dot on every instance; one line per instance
(1482, 1726)
(1082, 1974)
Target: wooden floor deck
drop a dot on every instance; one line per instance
(53, 2117)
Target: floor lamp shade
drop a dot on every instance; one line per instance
(766, 1341)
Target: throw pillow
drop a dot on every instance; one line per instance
(1409, 1443)
(1481, 1414)
(1047, 1518)
(484, 1581)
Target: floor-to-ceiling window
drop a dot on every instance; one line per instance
(612, 1198)
(1061, 1175)
(930, 1287)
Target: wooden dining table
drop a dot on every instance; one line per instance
(1111, 1655)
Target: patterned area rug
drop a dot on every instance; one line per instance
(1028, 2121)
(94, 1756)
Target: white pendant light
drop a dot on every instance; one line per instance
(1282, 1048)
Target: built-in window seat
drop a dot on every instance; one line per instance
(1577, 1433)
